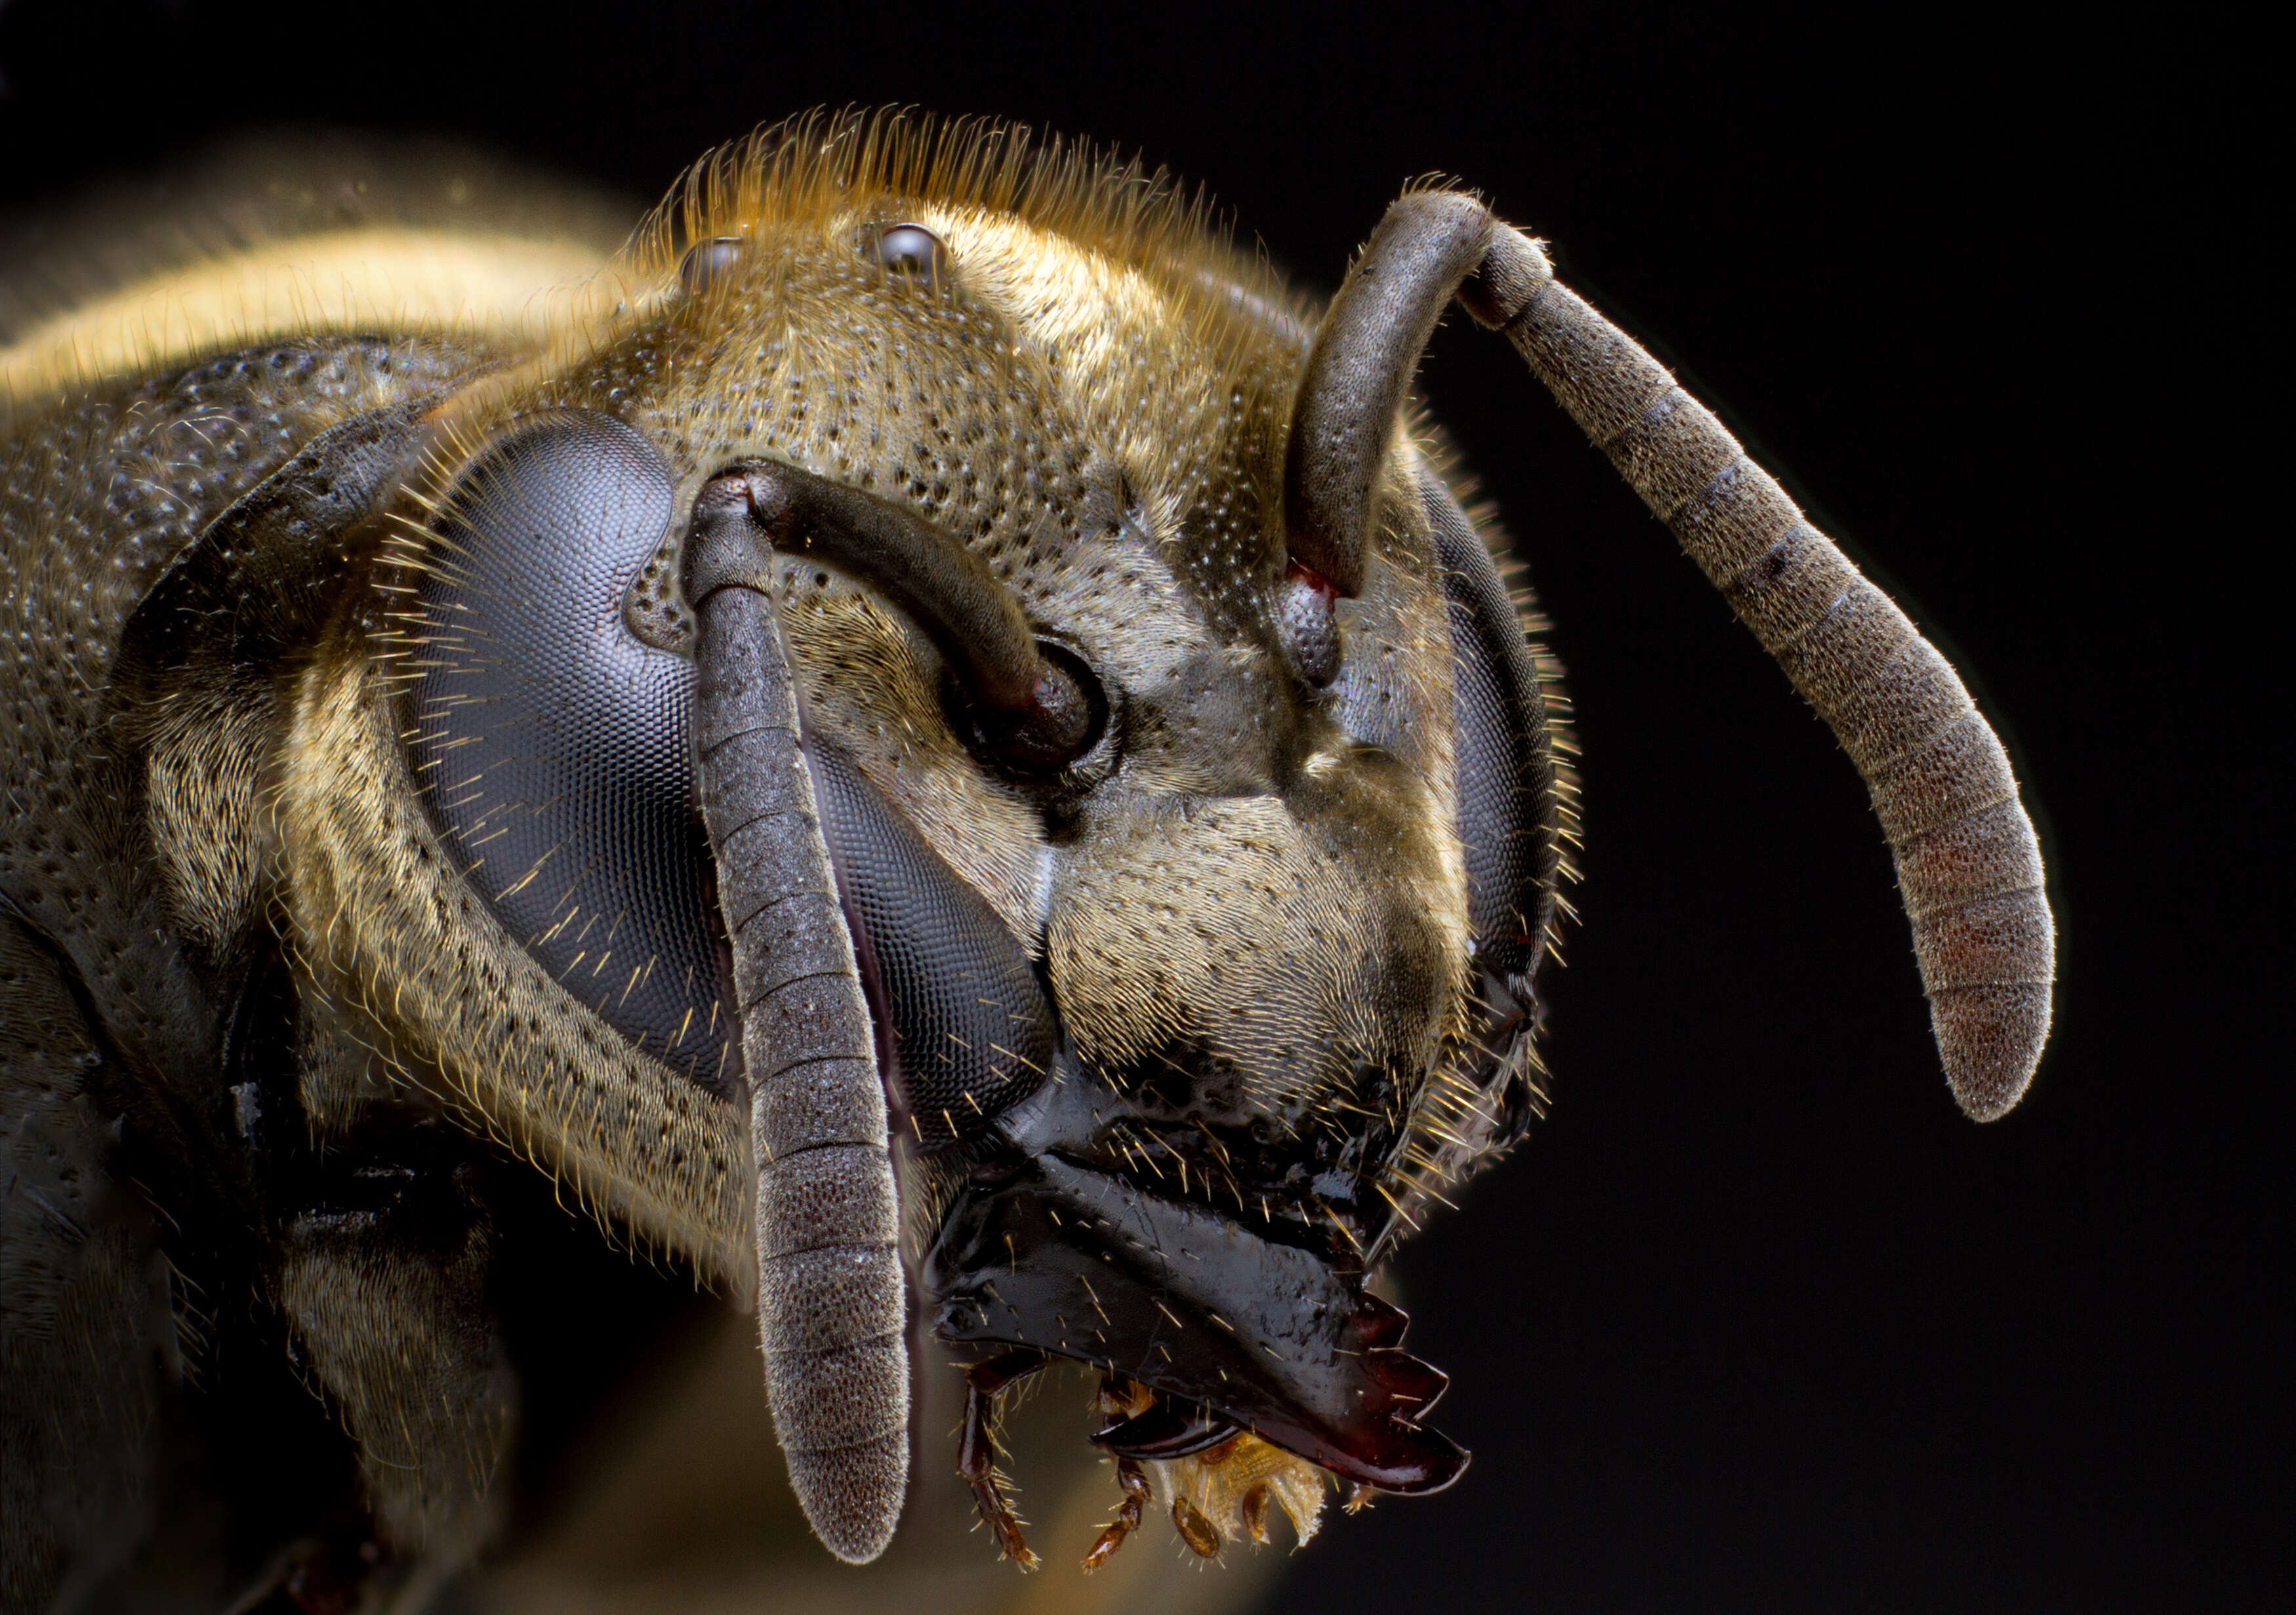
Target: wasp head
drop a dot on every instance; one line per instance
(1194, 861)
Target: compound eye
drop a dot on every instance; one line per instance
(1063, 723)
(972, 1032)
(550, 745)
(916, 252)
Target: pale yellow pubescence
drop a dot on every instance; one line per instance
(389, 933)
(508, 291)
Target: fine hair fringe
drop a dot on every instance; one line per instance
(822, 164)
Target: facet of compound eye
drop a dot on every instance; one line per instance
(914, 251)
(566, 734)
(707, 264)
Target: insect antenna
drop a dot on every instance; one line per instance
(831, 1306)
(1969, 866)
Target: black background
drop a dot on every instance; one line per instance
(1756, 1320)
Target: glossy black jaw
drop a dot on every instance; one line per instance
(1267, 1337)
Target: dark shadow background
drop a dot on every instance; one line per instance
(1755, 1321)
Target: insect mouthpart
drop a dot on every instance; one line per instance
(1211, 1332)
(1216, 1481)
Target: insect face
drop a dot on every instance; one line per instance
(948, 732)
(1146, 843)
